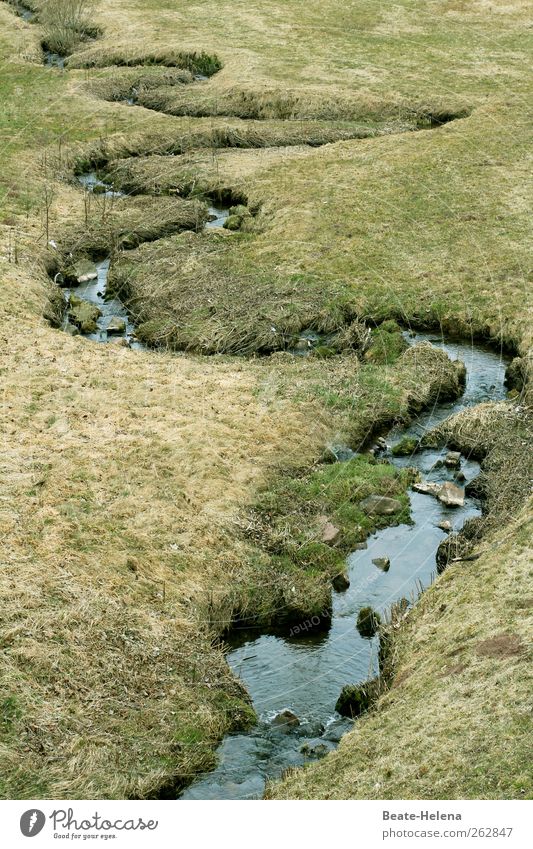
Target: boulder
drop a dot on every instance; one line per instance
(368, 621)
(83, 314)
(116, 325)
(337, 729)
(310, 728)
(453, 459)
(340, 582)
(380, 505)
(407, 446)
(71, 329)
(451, 495)
(285, 720)
(445, 525)
(355, 699)
(382, 563)
(82, 271)
(427, 488)
(317, 748)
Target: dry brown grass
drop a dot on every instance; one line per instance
(126, 473)
(122, 473)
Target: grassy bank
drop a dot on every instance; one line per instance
(130, 477)
(462, 656)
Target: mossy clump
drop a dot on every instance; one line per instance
(387, 343)
(238, 216)
(368, 622)
(356, 699)
(407, 446)
(323, 352)
(83, 314)
(232, 222)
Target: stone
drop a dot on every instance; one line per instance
(83, 314)
(368, 621)
(427, 487)
(311, 728)
(116, 325)
(71, 329)
(460, 476)
(83, 271)
(328, 532)
(380, 505)
(337, 729)
(407, 446)
(285, 720)
(340, 582)
(445, 525)
(453, 459)
(382, 563)
(317, 748)
(355, 699)
(451, 495)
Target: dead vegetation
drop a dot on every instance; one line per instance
(112, 224)
(66, 23)
(130, 84)
(104, 57)
(278, 104)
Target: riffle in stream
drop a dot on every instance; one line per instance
(306, 675)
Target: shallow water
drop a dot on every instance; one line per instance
(54, 60)
(23, 11)
(94, 292)
(90, 181)
(218, 215)
(307, 675)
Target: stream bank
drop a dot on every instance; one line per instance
(301, 676)
(108, 318)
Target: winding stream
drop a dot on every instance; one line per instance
(306, 675)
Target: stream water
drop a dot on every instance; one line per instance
(22, 11)
(306, 675)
